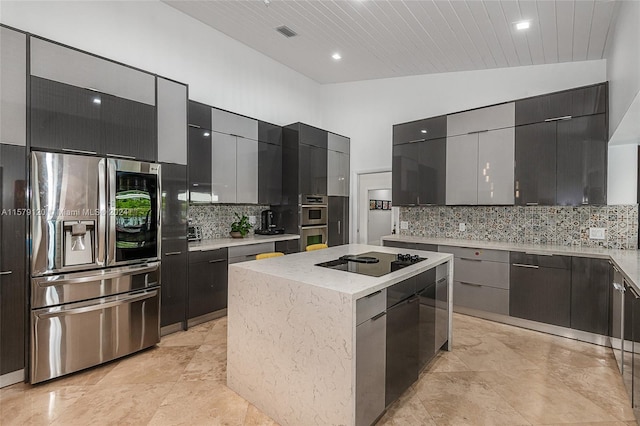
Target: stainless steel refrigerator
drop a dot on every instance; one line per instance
(95, 270)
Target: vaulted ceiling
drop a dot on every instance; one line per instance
(393, 38)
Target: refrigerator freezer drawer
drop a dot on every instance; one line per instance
(75, 287)
(72, 337)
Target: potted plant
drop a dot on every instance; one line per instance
(240, 228)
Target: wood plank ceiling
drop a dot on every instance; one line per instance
(394, 38)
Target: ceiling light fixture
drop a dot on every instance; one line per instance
(522, 25)
(336, 56)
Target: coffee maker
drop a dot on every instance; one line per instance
(269, 226)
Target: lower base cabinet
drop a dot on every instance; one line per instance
(402, 348)
(288, 246)
(207, 282)
(541, 288)
(173, 271)
(590, 283)
(427, 326)
(370, 368)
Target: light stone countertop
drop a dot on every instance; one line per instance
(218, 243)
(301, 267)
(628, 261)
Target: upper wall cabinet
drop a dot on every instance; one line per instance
(13, 87)
(570, 103)
(172, 122)
(80, 102)
(234, 124)
(479, 159)
(200, 156)
(420, 130)
(58, 63)
(481, 120)
(535, 164)
(338, 165)
(199, 115)
(269, 163)
(304, 161)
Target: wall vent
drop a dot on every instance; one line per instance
(286, 31)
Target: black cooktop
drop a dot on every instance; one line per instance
(372, 263)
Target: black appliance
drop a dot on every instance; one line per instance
(373, 263)
(269, 226)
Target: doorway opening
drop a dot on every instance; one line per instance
(374, 212)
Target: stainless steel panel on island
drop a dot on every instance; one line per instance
(293, 338)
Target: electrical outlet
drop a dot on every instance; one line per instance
(404, 224)
(597, 233)
(252, 220)
(462, 227)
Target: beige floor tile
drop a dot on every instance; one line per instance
(255, 417)
(407, 411)
(218, 332)
(543, 399)
(208, 363)
(464, 398)
(589, 383)
(156, 365)
(446, 362)
(115, 405)
(201, 403)
(192, 337)
(489, 354)
(23, 404)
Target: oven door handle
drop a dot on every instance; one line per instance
(91, 306)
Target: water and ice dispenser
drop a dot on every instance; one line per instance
(79, 236)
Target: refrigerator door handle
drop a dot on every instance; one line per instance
(102, 214)
(111, 206)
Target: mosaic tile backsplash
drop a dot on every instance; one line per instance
(555, 225)
(216, 219)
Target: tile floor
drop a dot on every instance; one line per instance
(496, 375)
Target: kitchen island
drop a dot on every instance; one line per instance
(294, 330)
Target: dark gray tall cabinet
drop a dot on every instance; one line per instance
(199, 152)
(338, 226)
(13, 189)
(338, 170)
(269, 163)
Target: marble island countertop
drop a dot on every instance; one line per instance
(301, 267)
(218, 243)
(628, 261)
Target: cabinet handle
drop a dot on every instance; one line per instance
(338, 227)
(538, 254)
(130, 157)
(413, 299)
(565, 117)
(531, 204)
(471, 260)
(380, 315)
(6, 272)
(441, 280)
(477, 131)
(418, 140)
(635, 294)
(522, 265)
(173, 253)
(195, 126)
(470, 284)
(79, 151)
(373, 294)
(217, 260)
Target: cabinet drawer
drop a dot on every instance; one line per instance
(205, 256)
(542, 260)
(477, 254)
(482, 298)
(491, 274)
(371, 305)
(401, 291)
(251, 249)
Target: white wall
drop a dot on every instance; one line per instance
(155, 37)
(366, 110)
(622, 174)
(623, 62)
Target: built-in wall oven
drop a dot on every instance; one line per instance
(95, 270)
(313, 220)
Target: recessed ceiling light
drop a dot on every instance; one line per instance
(423, 131)
(522, 25)
(336, 56)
